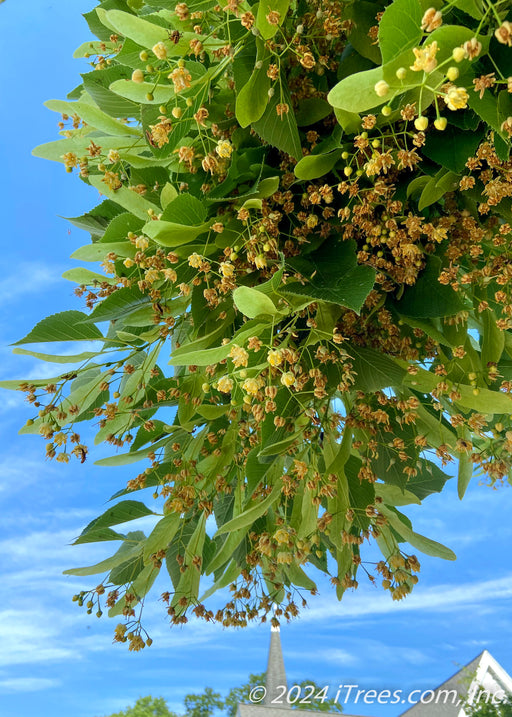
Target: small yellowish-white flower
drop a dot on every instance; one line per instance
(225, 384)
(141, 243)
(381, 88)
(251, 386)
(456, 98)
(504, 33)
(181, 79)
(431, 20)
(472, 48)
(113, 156)
(160, 50)
(275, 357)
(227, 269)
(506, 126)
(224, 148)
(284, 558)
(425, 58)
(287, 379)
(260, 261)
(170, 274)
(128, 262)
(195, 260)
(239, 356)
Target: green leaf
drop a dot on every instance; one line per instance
(334, 276)
(126, 551)
(98, 536)
(464, 474)
(140, 31)
(161, 535)
(247, 518)
(298, 577)
(98, 251)
(484, 401)
(51, 358)
(138, 92)
(93, 116)
(311, 110)
(471, 7)
(266, 29)
(316, 165)
(185, 209)
(420, 542)
(97, 85)
(168, 194)
(86, 277)
(444, 181)
(140, 586)
(281, 132)
(356, 93)
(363, 15)
(119, 227)
(125, 573)
(449, 36)
(428, 298)
(253, 303)
(189, 354)
(170, 234)
(252, 100)
(374, 370)
(188, 585)
(125, 459)
(393, 495)
(493, 339)
(231, 573)
(123, 512)
(452, 147)
(128, 199)
(65, 326)
(118, 305)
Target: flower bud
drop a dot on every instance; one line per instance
(452, 73)
(386, 110)
(381, 88)
(401, 73)
(421, 123)
(458, 54)
(137, 76)
(440, 123)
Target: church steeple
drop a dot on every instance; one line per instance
(276, 675)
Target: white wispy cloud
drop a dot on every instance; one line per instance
(27, 684)
(441, 598)
(29, 278)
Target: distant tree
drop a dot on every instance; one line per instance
(241, 693)
(483, 708)
(203, 705)
(208, 702)
(147, 707)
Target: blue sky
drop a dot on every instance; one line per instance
(54, 659)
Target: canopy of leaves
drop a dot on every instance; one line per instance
(302, 258)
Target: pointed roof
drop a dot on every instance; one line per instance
(276, 675)
(482, 673)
